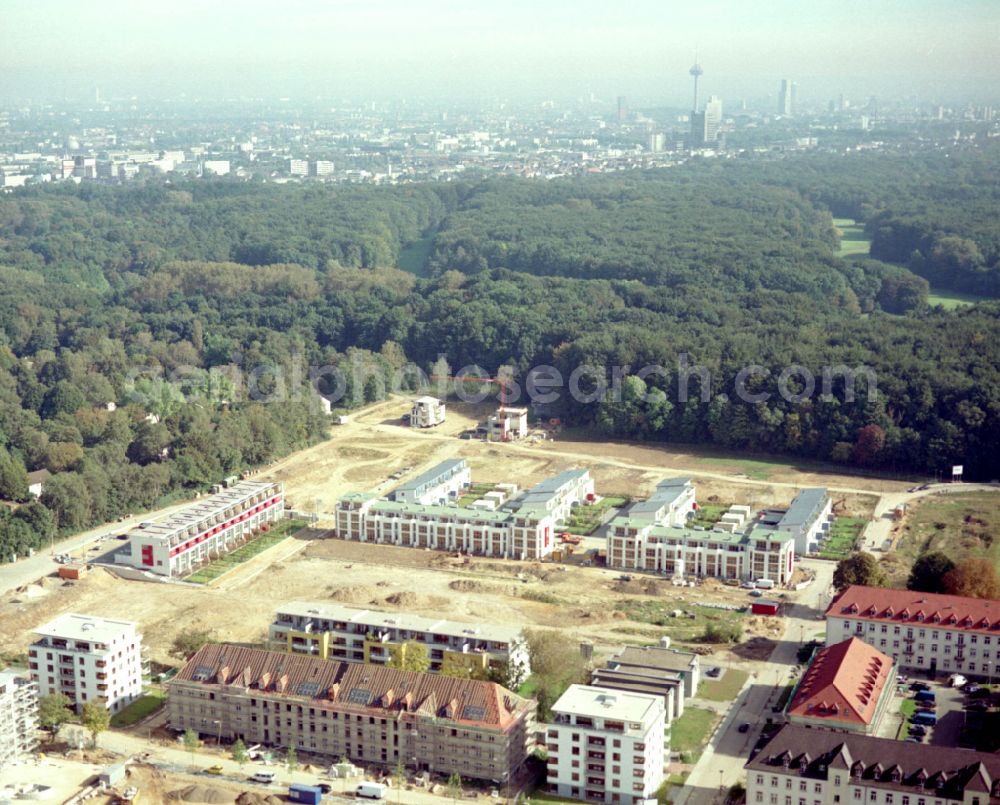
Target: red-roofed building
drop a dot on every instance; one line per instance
(846, 687)
(937, 633)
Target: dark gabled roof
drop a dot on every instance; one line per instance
(880, 762)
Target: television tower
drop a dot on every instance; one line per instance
(695, 71)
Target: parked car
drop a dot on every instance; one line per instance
(744, 727)
(757, 593)
(918, 729)
(972, 687)
(920, 686)
(915, 739)
(217, 769)
(714, 671)
(957, 680)
(978, 704)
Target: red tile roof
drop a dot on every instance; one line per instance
(355, 687)
(843, 683)
(907, 606)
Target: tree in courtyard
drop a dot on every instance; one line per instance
(239, 752)
(858, 568)
(191, 743)
(928, 572)
(411, 656)
(95, 718)
(53, 712)
(454, 786)
(292, 760)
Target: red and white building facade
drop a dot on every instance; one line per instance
(205, 530)
(937, 633)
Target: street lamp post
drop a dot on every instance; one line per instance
(218, 732)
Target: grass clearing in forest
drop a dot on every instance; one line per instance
(853, 239)
(950, 300)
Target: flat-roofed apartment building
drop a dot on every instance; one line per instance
(847, 686)
(437, 485)
(637, 544)
(805, 766)
(371, 715)
(925, 631)
(18, 717)
(177, 545)
(806, 519)
(651, 536)
(606, 745)
(88, 659)
(353, 634)
(522, 529)
(653, 670)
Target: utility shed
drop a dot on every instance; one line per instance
(764, 607)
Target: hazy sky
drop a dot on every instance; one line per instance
(520, 49)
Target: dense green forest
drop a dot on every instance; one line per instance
(730, 264)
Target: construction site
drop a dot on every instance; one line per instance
(591, 603)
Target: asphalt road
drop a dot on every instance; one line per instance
(721, 764)
(31, 569)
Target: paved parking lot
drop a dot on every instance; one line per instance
(948, 709)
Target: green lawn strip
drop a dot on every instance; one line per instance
(247, 551)
(587, 518)
(690, 732)
(724, 689)
(708, 515)
(151, 701)
(786, 694)
(907, 708)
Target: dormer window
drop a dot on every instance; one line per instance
(853, 609)
(889, 612)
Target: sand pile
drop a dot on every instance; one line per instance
(200, 793)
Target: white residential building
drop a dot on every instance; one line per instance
(426, 412)
(219, 167)
(18, 717)
(297, 167)
(204, 530)
(353, 634)
(807, 519)
(935, 633)
(439, 484)
(88, 659)
(606, 745)
(507, 424)
(523, 528)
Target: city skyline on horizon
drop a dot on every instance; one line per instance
(445, 50)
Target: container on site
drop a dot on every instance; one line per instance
(370, 790)
(312, 794)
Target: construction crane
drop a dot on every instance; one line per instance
(499, 381)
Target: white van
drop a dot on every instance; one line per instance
(370, 790)
(765, 584)
(262, 777)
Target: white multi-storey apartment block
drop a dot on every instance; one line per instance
(522, 529)
(88, 659)
(651, 536)
(437, 485)
(936, 633)
(18, 717)
(806, 519)
(352, 634)
(204, 530)
(426, 412)
(807, 766)
(606, 745)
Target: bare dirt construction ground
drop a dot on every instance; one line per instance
(586, 602)
(360, 455)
